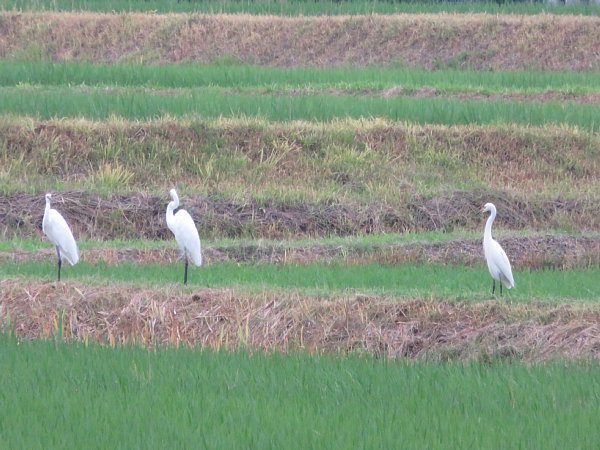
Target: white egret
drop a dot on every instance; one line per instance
(497, 261)
(56, 228)
(186, 234)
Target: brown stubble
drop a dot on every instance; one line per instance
(283, 322)
(545, 42)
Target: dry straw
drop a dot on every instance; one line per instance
(222, 318)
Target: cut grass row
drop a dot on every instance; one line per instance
(348, 322)
(406, 281)
(100, 103)
(235, 75)
(302, 7)
(107, 398)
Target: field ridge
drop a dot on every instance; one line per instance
(379, 325)
(131, 216)
(480, 41)
(366, 127)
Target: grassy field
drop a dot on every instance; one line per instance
(336, 165)
(297, 7)
(274, 141)
(333, 174)
(407, 281)
(363, 242)
(100, 103)
(232, 74)
(249, 178)
(131, 397)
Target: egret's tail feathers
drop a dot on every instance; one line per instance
(73, 259)
(197, 258)
(193, 255)
(70, 252)
(509, 283)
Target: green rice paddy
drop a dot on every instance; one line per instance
(58, 395)
(364, 242)
(420, 281)
(235, 75)
(96, 103)
(47, 90)
(300, 7)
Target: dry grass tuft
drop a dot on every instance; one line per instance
(222, 318)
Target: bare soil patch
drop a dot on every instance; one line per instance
(222, 318)
(546, 42)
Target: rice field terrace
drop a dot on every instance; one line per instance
(318, 176)
(335, 158)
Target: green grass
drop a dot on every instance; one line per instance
(296, 7)
(236, 76)
(350, 242)
(127, 397)
(96, 103)
(428, 281)
(364, 241)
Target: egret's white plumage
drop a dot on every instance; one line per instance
(497, 261)
(56, 228)
(186, 234)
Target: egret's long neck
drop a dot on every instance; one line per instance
(488, 226)
(47, 210)
(170, 207)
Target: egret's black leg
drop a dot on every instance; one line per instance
(501, 289)
(185, 273)
(493, 286)
(59, 261)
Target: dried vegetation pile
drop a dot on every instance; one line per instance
(223, 319)
(142, 216)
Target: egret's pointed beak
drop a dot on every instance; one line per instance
(483, 210)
